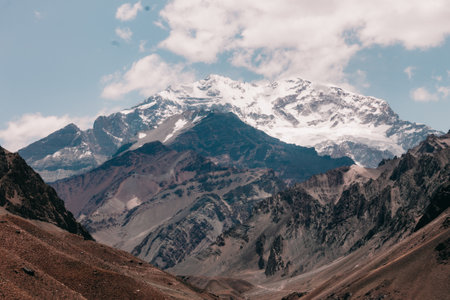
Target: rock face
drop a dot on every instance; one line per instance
(22, 192)
(333, 121)
(332, 215)
(161, 204)
(226, 140)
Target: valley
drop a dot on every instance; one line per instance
(235, 213)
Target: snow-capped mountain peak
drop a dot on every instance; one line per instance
(297, 111)
(334, 121)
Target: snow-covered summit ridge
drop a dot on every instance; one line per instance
(334, 121)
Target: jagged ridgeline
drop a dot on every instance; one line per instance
(333, 121)
(332, 215)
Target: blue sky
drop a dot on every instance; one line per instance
(70, 61)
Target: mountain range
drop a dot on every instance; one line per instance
(351, 232)
(286, 189)
(163, 204)
(333, 121)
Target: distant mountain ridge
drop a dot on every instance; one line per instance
(331, 120)
(225, 139)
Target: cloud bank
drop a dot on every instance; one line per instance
(314, 40)
(31, 127)
(146, 76)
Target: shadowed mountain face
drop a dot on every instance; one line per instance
(227, 140)
(162, 204)
(333, 215)
(23, 192)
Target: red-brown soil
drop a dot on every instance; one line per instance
(41, 261)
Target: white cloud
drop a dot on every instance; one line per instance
(124, 33)
(159, 24)
(128, 12)
(142, 46)
(409, 71)
(37, 14)
(437, 78)
(31, 127)
(147, 76)
(444, 91)
(421, 94)
(314, 40)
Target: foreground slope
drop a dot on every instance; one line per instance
(42, 261)
(331, 216)
(46, 254)
(416, 268)
(333, 121)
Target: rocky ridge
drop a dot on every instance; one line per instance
(333, 215)
(24, 193)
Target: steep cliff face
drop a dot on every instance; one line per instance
(23, 192)
(334, 214)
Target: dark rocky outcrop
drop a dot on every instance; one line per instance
(23, 192)
(275, 261)
(443, 252)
